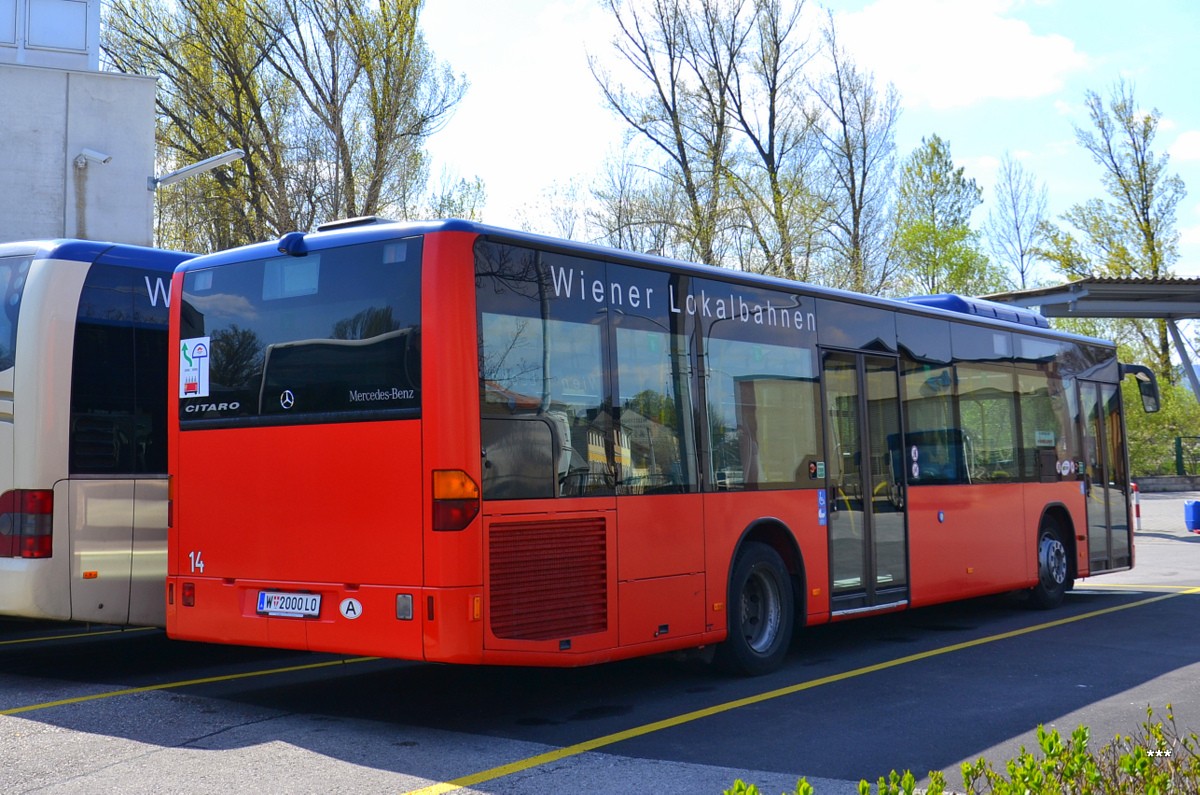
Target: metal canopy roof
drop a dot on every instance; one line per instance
(1168, 299)
(1171, 299)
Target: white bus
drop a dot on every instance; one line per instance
(83, 460)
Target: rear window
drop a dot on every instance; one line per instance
(328, 337)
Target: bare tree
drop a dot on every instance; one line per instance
(858, 132)
(629, 211)
(781, 199)
(1015, 226)
(684, 55)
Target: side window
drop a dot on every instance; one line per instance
(987, 411)
(1046, 437)
(931, 426)
(585, 377)
(546, 412)
(763, 392)
(656, 443)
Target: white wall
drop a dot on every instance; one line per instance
(49, 117)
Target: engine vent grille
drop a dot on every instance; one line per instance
(548, 579)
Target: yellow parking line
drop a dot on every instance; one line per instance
(610, 739)
(94, 634)
(207, 680)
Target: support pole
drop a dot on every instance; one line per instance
(1181, 349)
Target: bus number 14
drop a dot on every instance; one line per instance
(197, 561)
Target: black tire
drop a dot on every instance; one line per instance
(1054, 567)
(761, 613)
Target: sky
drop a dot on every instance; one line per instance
(991, 77)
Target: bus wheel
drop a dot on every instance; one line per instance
(1054, 567)
(761, 613)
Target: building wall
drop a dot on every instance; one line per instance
(61, 33)
(47, 190)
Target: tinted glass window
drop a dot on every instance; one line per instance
(544, 393)
(933, 439)
(980, 344)
(333, 335)
(763, 391)
(1048, 448)
(119, 367)
(654, 381)
(848, 325)
(924, 339)
(987, 410)
(13, 272)
(585, 376)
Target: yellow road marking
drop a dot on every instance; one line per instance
(185, 683)
(96, 634)
(688, 717)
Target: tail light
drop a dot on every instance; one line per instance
(455, 499)
(27, 523)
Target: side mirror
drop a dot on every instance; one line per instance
(1147, 384)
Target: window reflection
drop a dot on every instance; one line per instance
(763, 402)
(585, 377)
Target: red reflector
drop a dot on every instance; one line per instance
(188, 594)
(27, 523)
(454, 514)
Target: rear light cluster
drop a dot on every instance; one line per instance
(455, 499)
(26, 523)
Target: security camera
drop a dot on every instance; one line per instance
(91, 156)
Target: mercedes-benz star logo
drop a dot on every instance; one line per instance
(287, 399)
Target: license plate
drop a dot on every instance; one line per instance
(290, 605)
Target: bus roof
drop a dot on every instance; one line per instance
(369, 229)
(94, 251)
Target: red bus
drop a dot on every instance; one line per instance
(457, 443)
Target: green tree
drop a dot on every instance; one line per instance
(1131, 232)
(934, 244)
(1152, 436)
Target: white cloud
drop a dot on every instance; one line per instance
(1186, 146)
(533, 113)
(949, 53)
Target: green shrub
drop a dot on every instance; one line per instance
(1155, 760)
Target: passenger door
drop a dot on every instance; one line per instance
(1106, 479)
(868, 539)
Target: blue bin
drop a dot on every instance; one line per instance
(1191, 515)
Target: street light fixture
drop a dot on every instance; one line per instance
(154, 183)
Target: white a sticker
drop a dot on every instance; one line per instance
(193, 367)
